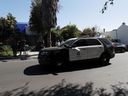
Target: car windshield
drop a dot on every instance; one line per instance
(68, 42)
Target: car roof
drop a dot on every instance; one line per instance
(85, 38)
(90, 38)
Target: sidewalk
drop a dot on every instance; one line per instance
(29, 54)
(33, 55)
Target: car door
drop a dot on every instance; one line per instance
(78, 50)
(94, 48)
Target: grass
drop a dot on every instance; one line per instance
(68, 89)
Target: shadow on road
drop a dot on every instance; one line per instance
(37, 70)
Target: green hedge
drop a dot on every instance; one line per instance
(6, 51)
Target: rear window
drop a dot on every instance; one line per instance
(105, 41)
(93, 42)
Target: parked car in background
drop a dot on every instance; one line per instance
(77, 49)
(119, 47)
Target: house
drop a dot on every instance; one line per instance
(120, 34)
(30, 36)
(21, 27)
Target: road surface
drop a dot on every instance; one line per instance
(16, 73)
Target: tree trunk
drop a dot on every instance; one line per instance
(49, 42)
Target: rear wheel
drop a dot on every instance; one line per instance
(122, 50)
(104, 59)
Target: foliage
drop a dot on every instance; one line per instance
(56, 35)
(70, 31)
(7, 27)
(89, 32)
(43, 18)
(49, 19)
(35, 17)
(108, 37)
(6, 51)
(106, 5)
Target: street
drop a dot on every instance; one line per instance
(16, 73)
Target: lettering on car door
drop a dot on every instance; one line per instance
(78, 50)
(94, 48)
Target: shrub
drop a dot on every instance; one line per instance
(7, 51)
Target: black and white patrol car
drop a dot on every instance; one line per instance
(77, 49)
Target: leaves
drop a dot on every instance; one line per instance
(110, 2)
(70, 31)
(7, 26)
(43, 17)
(89, 32)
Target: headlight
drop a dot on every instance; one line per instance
(44, 53)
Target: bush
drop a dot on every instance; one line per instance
(6, 50)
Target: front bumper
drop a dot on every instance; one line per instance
(44, 60)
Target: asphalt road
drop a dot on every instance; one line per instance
(16, 73)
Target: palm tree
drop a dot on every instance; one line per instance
(49, 19)
(70, 31)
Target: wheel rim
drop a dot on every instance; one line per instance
(104, 59)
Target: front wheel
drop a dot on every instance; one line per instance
(104, 59)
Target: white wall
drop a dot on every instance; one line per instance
(121, 33)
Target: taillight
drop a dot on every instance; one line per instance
(113, 45)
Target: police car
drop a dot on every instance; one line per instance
(77, 49)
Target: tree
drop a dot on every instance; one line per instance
(35, 18)
(43, 18)
(2, 22)
(70, 31)
(89, 32)
(7, 27)
(56, 35)
(49, 19)
(11, 23)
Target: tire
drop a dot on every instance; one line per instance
(122, 50)
(104, 59)
(42, 65)
(61, 64)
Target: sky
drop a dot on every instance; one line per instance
(83, 13)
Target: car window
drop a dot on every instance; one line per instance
(68, 42)
(93, 42)
(80, 42)
(105, 41)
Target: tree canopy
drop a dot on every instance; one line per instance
(7, 27)
(43, 18)
(89, 32)
(70, 31)
(35, 17)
